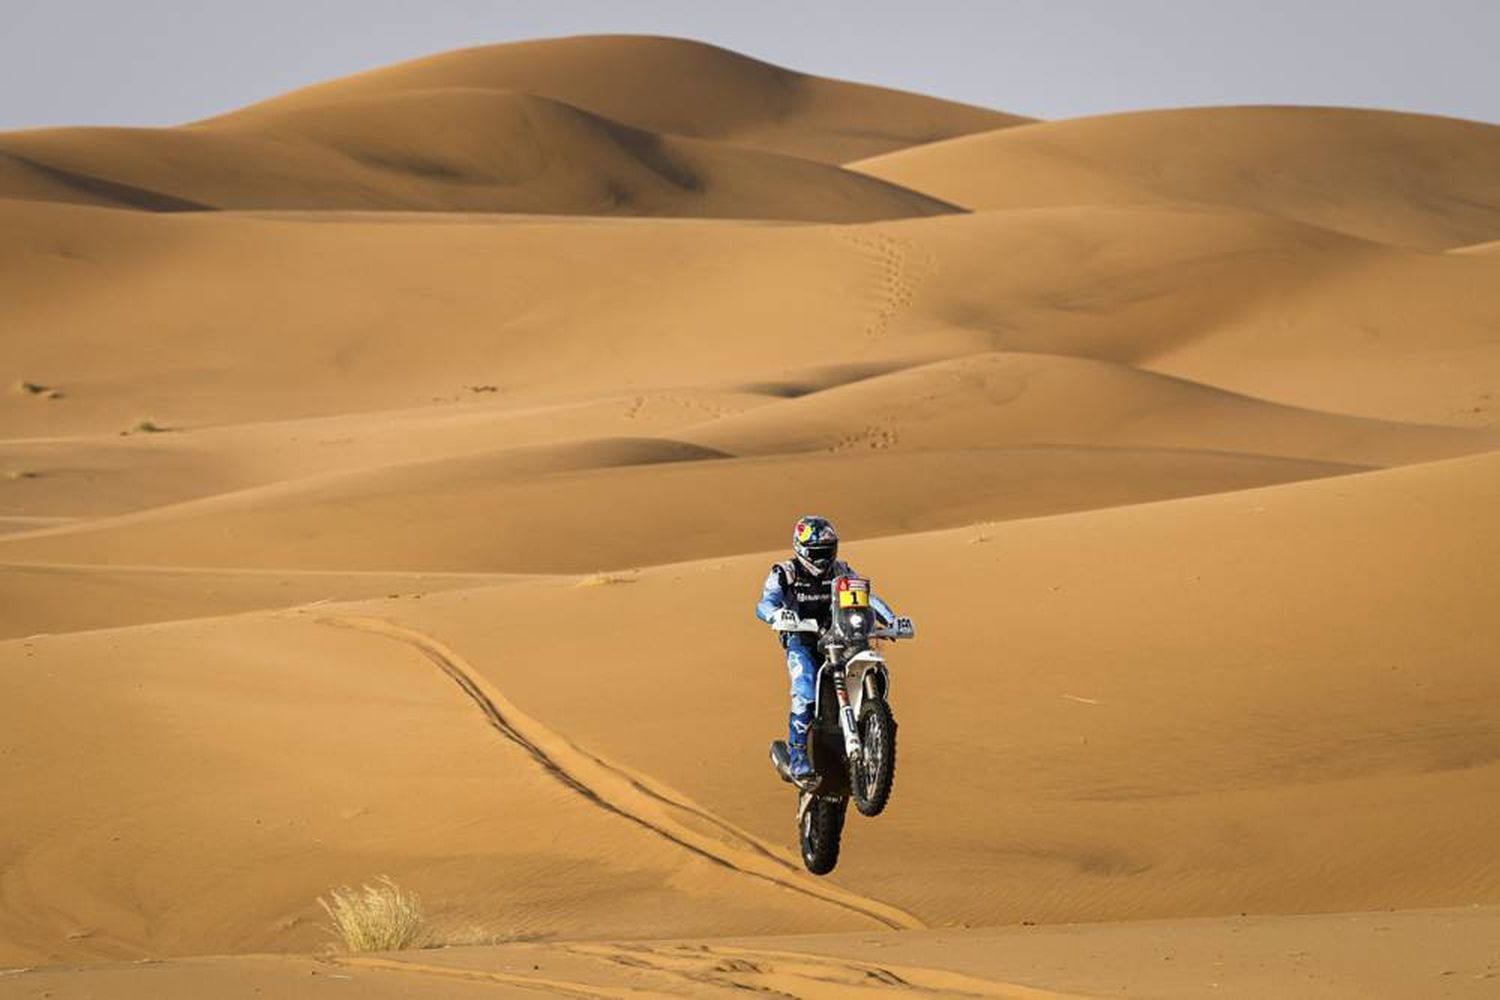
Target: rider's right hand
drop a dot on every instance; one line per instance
(784, 620)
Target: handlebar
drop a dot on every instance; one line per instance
(901, 628)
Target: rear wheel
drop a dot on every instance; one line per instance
(822, 828)
(873, 772)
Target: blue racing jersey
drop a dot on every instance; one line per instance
(790, 587)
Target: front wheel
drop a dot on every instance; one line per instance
(873, 772)
(821, 829)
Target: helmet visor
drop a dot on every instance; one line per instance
(819, 556)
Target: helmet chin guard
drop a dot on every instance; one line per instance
(815, 543)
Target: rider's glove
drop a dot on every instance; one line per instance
(784, 620)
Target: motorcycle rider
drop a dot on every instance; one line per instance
(800, 588)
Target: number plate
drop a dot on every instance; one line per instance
(853, 591)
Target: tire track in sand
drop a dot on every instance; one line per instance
(802, 975)
(662, 969)
(631, 796)
(550, 986)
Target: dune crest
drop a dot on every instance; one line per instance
(455, 149)
(681, 87)
(1409, 180)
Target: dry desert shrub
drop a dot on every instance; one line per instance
(378, 917)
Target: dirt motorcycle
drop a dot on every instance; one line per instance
(852, 740)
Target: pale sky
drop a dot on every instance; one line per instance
(159, 62)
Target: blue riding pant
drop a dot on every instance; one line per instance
(802, 667)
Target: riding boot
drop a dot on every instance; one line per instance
(798, 724)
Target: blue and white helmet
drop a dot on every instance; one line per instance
(815, 543)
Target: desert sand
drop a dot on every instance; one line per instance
(388, 471)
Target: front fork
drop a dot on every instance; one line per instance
(847, 721)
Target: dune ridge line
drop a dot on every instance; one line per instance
(629, 796)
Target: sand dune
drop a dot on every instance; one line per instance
(1110, 644)
(1333, 956)
(1235, 300)
(1488, 248)
(1410, 180)
(53, 598)
(1029, 399)
(327, 793)
(680, 87)
(1183, 703)
(75, 477)
(403, 515)
(505, 311)
(492, 514)
(600, 126)
(439, 150)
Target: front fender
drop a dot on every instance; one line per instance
(874, 679)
